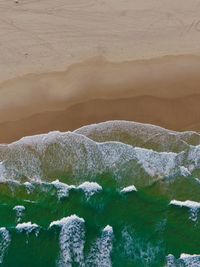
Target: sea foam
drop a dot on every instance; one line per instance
(39, 157)
(140, 134)
(72, 239)
(129, 189)
(62, 189)
(5, 240)
(90, 188)
(19, 212)
(100, 253)
(28, 228)
(185, 260)
(191, 205)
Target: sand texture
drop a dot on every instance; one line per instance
(65, 64)
(47, 35)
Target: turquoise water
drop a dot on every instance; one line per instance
(68, 201)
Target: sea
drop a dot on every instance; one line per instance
(118, 193)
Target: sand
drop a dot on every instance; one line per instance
(65, 64)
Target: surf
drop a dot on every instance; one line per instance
(109, 194)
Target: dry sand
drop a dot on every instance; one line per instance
(129, 74)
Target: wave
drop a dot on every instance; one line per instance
(130, 186)
(144, 252)
(5, 240)
(192, 205)
(141, 135)
(44, 157)
(19, 212)
(139, 227)
(185, 260)
(72, 243)
(28, 227)
(128, 189)
(90, 188)
(100, 253)
(72, 236)
(62, 189)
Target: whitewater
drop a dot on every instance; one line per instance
(116, 193)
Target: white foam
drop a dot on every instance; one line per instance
(157, 164)
(5, 240)
(185, 260)
(62, 189)
(184, 171)
(37, 157)
(129, 189)
(138, 134)
(193, 158)
(66, 220)
(100, 253)
(29, 187)
(2, 172)
(188, 204)
(19, 208)
(108, 228)
(192, 205)
(28, 227)
(72, 239)
(19, 212)
(90, 188)
(171, 261)
(190, 260)
(142, 252)
(184, 255)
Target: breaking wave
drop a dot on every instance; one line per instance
(56, 154)
(134, 189)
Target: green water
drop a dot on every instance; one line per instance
(145, 227)
(95, 224)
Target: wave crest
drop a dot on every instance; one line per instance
(73, 155)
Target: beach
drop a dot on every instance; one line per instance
(65, 64)
(99, 133)
(163, 91)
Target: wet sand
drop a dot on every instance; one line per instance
(163, 91)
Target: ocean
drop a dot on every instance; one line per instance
(113, 194)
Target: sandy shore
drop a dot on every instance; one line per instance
(163, 91)
(43, 35)
(64, 64)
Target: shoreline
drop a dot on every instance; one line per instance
(162, 91)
